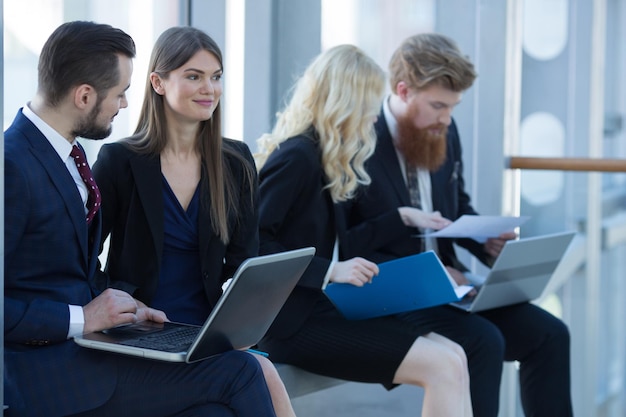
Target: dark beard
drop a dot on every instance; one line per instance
(420, 147)
(89, 129)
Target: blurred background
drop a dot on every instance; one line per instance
(552, 84)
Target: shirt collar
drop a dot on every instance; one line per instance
(392, 123)
(58, 142)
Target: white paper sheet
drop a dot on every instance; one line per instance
(480, 228)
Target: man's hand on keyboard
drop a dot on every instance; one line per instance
(146, 313)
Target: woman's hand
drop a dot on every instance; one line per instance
(356, 271)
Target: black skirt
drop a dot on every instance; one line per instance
(355, 350)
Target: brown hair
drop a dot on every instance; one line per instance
(431, 59)
(81, 53)
(173, 49)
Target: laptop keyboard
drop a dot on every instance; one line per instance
(170, 340)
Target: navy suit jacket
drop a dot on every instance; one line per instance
(376, 230)
(295, 211)
(133, 214)
(48, 264)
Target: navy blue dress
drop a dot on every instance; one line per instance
(180, 292)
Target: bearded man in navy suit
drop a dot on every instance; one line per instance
(50, 259)
(416, 132)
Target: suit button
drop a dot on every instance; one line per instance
(38, 342)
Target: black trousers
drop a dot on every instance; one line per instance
(522, 332)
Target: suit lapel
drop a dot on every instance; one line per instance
(438, 183)
(147, 173)
(388, 159)
(205, 229)
(60, 177)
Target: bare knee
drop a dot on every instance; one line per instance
(276, 387)
(460, 353)
(431, 363)
(458, 358)
(269, 371)
(452, 370)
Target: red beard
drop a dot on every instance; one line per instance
(422, 147)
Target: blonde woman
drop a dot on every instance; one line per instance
(312, 161)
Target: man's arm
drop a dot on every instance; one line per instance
(367, 236)
(39, 322)
(26, 320)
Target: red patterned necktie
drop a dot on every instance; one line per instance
(94, 198)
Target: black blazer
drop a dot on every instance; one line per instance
(48, 264)
(133, 215)
(375, 228)
(296, 211)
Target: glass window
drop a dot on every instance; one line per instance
(27, 25)
(545, 28)
(376, 26)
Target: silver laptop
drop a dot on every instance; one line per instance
(240, 319)
(520, 273)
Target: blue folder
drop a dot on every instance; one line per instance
(404, 284)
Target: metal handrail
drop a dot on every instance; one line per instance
(567, 164)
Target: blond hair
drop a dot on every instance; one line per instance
(339, 96)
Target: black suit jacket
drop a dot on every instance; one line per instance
(48, 264)
(296, 211)
(375, 228)
(133, 215)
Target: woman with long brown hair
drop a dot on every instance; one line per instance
(178, 198)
